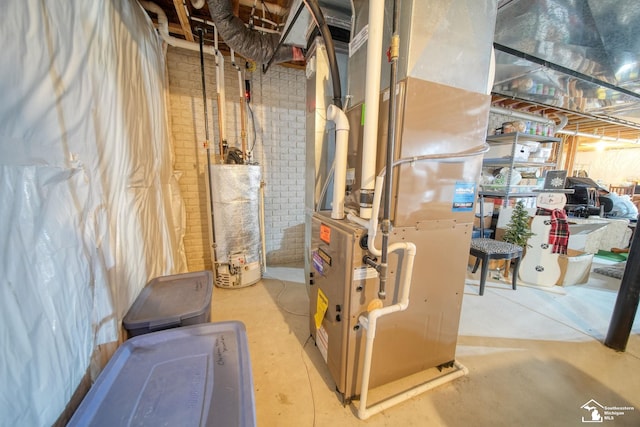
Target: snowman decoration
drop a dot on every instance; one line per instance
(551, 235)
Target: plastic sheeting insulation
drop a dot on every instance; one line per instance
(88, 198)
(236, 204)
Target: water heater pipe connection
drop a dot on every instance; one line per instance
(220, 94)
(242, 107)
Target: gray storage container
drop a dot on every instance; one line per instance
(171, 301)
(193, 376)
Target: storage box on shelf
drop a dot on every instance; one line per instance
(513, 152)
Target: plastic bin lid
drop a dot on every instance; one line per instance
(166, 300)
(196, 375)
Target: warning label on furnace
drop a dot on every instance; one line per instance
(322, 304)
(322, 341)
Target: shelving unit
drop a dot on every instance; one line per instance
(512, 162)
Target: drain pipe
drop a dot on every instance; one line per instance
(339, 117)
(206, 136)
(263, 237)
(370, 322)
(371, 101)
(243, 118)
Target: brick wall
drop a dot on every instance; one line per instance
(278, 108)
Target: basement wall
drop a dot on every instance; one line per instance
(89, 203)
(278, 107)
(610, 167)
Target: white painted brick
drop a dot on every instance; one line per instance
(278, 104)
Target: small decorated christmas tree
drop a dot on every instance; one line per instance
(518, 231)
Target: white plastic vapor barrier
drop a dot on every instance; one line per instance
(89, 203)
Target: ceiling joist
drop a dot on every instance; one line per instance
(184, 19)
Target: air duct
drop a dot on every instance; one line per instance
(247, 42)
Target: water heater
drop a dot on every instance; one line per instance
(235, 202)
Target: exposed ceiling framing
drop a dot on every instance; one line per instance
(577, 122)
(184, 19)
(185, 25)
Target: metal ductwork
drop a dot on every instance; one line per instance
(249, 43)
(581, 56)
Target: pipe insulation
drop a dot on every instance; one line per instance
(338, 116)
(251, 44)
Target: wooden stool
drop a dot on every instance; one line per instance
(487, 249)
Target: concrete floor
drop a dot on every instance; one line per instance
(535, 357)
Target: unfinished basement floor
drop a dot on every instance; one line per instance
(535, 358)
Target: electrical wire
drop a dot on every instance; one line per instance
(306, 367)
(282, 291)
(253, 126)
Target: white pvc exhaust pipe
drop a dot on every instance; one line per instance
(163, 29)
(371, 101)
(370, 323)
(338, 116)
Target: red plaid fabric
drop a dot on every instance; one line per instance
(559, 234)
